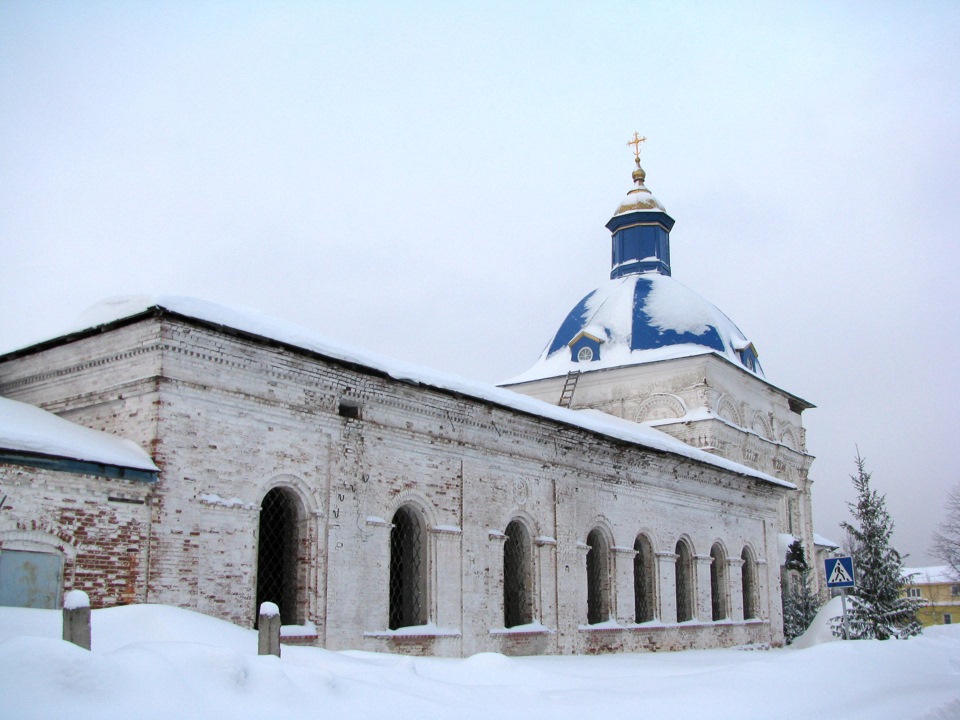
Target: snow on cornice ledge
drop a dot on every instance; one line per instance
(256, 323)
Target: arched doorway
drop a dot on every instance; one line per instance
(278, 552)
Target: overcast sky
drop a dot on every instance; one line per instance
(430, 181)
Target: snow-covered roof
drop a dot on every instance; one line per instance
(28, 429)
(259, 324)
(643, 318)
(930, 575)
(824, 541)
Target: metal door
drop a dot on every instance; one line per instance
(30, 579)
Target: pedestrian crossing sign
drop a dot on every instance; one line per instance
(840, 572)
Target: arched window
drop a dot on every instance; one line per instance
(749, 585)
(643, 582)
(718, 582)
(517, 576)
(684, 574)
(598, 578)
(408, 569)
(277, 553)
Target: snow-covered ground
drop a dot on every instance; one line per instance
(152, 661)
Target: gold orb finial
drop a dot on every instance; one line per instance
(639, 198)
(638, 175)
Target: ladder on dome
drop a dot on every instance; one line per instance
(566, 397)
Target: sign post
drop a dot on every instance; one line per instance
(840, 574)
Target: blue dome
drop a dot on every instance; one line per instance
(641, 318)
(641, 314)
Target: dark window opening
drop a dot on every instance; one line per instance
(643, 581)
(277, 553)
(517, 576)
(748, 586)
(684, 583)
(349, 410)
(598, 578)
(718, 583)
(408, 571)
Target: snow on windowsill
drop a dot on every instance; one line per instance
(534, 628)
(607, 625)
(308, 629)
(448, 529)
(414, 631)
(656, 624)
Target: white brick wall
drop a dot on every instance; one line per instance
(227, 418)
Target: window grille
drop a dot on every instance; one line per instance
(684, 584)
(517, 575)
(913, 592)
(643, 581)
(408, 574)
(748, 581)
(718, 583)
(598, 578)
(277, 553)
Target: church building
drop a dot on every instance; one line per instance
(631, 491)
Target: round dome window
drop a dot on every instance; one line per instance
(585, 355)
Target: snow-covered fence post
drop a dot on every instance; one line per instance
(269, 628)
(76, 618)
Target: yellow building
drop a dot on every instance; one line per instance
(940, 592)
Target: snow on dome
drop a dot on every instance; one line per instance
(643, 318)
(28, 429)
(638, 200)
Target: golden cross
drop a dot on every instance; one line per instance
(637, 139)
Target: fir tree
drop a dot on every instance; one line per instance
(799, 603)
(879, 609)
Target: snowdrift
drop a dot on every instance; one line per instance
(151, 661)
